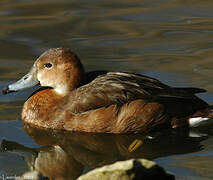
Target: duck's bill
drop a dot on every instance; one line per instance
(29, 80)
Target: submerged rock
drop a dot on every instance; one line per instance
(134, 169)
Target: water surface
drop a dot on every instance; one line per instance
(171, 40)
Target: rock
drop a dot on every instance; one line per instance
(134, 169)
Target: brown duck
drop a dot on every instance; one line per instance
(104, 102)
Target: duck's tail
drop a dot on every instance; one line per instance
(202, 118)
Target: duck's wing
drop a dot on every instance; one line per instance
(120, 88)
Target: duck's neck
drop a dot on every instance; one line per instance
(70, 81)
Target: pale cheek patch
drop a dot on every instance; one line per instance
(39, 78)
(46, 81)
(55, 83)
(199, 121)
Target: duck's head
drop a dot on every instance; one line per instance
(58, 68)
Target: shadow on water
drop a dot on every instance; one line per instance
(64, 154)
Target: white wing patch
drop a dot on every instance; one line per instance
(199, 121)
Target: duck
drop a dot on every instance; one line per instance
(104, 102)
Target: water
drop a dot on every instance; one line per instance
(169, 40)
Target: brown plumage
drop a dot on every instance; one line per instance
(108, 102)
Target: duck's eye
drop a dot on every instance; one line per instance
(48, 65)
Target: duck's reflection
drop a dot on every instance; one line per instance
(67, 155)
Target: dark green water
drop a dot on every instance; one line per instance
(171, 40)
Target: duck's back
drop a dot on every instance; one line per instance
(118, 102)
(121, 87)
